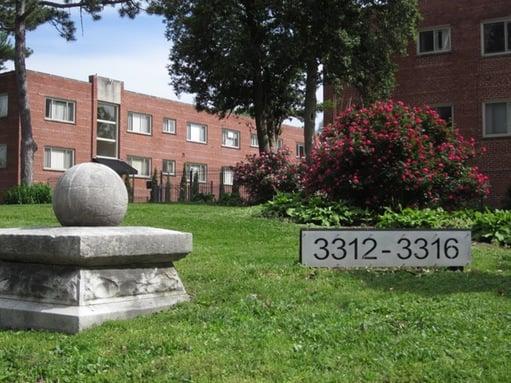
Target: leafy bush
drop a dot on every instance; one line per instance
(392, 155)
(316, 210)
(23, 194)
(203, 198)
(492, 226)
(266, 174)
(230, 199)
(487, 226)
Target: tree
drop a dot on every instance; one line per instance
(353, 41)
(6, 50)
(18, 16)
(236, 57)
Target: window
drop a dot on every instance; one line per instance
(196, 133)
(434, 40)
(200, 169)
(254, 142)
(496, 37)
(139, 123)
(280, 143)
(169, 167)
(107, 130)
(4, 103)
(227, 176)
(169, 126)
(230, 138)
(142, 164)
(445, 112)
(58, 158)
(60, 110)
(3, 156)
(300, 151)
(497, 119)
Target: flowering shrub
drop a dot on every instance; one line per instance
(266, 174)
(393, 155)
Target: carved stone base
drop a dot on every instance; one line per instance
(69, 279)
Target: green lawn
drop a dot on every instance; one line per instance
(257, 315)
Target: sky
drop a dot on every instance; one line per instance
(133, 51)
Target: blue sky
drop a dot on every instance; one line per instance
(134, 51)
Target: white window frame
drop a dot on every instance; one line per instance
(130, 123)
(189, 131)
(226, 169)
(173, 173)
(108, 122)
(435, 106)
(280, 143)
(165, 121)
(225, 132)
(299, 144)
(129, 158)
(57, 149)
(195, 164)
(252, 145)
(507, 50)
(2, 95)
(47, 113)
(3, 161)
(435, 40)
(508, 134)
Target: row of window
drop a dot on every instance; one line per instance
(495, 38)
(496, 118)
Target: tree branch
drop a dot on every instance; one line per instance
(82, 3)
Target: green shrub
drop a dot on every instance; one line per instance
(230, 199)
(203, 198)
(23, 194)
(492, 226)
(315, 210)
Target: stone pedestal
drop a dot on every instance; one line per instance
(70, 278)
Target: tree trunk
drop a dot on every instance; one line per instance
(28, 145)
(310, 106)
(260, 118)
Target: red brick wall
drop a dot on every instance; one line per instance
(81, 135)
(462, 77)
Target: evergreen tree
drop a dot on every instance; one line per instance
(183, 186)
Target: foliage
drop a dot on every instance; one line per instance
(24, 194)
(6, 49)
(257, 315)
(487, 226)
(315, 210)
(357, 41)
(235, 57)
(183, 186)
(203, 197)
(266, 174)
(195, 186)
(393, 155)
(230, 199)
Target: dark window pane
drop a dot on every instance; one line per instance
(107, 112)
(106, 149)
(496, 118)
(107, 130)
(445, 113)
(509, 36)
(426, 41)
(494, 38)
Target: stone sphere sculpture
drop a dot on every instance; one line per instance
(90, 194)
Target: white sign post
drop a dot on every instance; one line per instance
(359, 248)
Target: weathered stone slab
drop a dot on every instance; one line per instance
(70, 285)
(94, 246)
(15, 314)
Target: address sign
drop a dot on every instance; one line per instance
(358, 248)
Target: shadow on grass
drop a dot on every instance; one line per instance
(437, 282)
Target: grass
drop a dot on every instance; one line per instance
(257, 315)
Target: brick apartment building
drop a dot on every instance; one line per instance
(461, 64)
(75, 121)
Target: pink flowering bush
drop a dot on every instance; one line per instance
(392, 155)
(266, 174)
